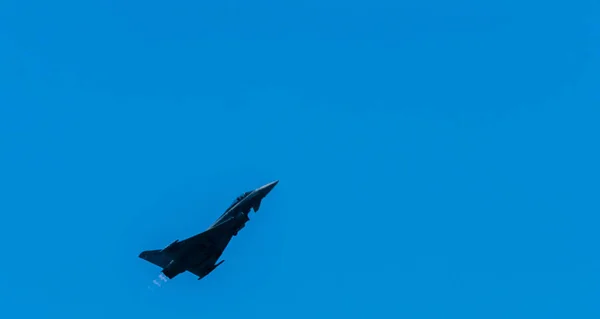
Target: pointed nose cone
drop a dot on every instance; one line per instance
(267, 188)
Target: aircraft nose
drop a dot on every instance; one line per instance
(267, 188)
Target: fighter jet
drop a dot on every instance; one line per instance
(199, 254)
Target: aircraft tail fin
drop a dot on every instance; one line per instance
(156, 257)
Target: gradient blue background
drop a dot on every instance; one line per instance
(437, 159)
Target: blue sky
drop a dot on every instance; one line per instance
(437, 159)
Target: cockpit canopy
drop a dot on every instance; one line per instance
(239, 198)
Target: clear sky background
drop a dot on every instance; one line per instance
(437, 159)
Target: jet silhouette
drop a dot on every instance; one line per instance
(199, 254)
